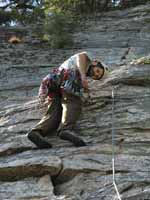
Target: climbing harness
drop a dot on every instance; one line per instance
(113, 143)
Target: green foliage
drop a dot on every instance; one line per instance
(78, 6)
(144, 60)
(28, 11)
(58, 30)
(5, 17)
(129, 3)
(21, 12)
(147, 61)
(63, 5)
(53, 20)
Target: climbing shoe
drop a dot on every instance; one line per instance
(67, 135)
(38, 140)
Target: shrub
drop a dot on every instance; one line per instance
(59, 29)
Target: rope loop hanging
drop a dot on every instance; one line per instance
(113, 142)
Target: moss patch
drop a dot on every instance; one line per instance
(144, 60)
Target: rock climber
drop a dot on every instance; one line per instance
(63, 88)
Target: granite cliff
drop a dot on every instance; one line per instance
(65, 172)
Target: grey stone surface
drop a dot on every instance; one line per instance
(72, 167)
(80, 173)
(29, 188)
(27, 164)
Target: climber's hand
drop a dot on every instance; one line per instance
(87, 98)
(85, 84)
(41, 100)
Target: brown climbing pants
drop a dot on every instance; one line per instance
(62, 114)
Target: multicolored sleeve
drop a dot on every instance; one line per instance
(43, 90)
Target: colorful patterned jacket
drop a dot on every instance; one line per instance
(59, 81)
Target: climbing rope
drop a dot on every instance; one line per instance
(113, 144)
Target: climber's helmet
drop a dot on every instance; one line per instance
(96, 70)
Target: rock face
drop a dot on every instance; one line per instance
(65, 172)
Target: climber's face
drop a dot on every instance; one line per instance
(97, 73)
